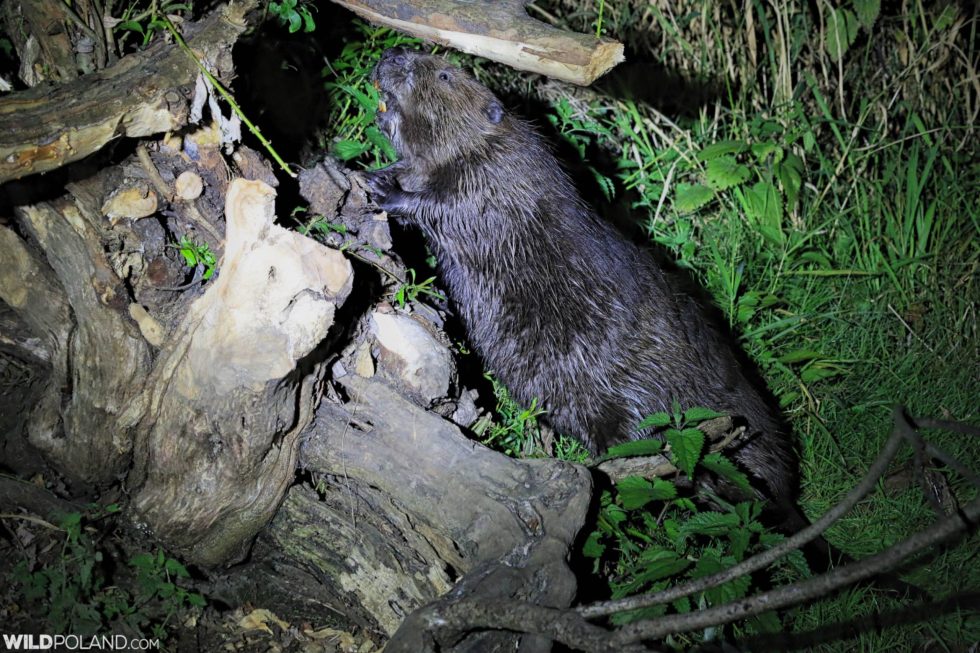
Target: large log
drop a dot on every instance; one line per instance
(226, 400)
(500, 30)
(146, 93)
(410, 506)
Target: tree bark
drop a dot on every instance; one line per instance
(146, 93)
(498, 30)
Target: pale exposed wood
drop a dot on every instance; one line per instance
(498, 30)
(220, 434)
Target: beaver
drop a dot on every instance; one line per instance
(559, 304)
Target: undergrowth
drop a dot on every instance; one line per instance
(84, 587)
(837, 229)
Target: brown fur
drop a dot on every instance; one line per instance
(559, 305)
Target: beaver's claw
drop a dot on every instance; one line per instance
(379, 183)
(385, 190)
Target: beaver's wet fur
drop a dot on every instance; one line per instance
(559, 305)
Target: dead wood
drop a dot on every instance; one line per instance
(41, 32)
(440, 624)
(411, 505)
(75, 301)
(501, 31)
(225, 403)
(145, 93)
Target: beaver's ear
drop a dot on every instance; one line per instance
(495, 112)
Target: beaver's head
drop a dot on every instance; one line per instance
(432, 110)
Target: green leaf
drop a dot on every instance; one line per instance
(710, 523)
(593, 547)
(605, 183)
(142, 561)
(711, 563)
(682, 605)
(367, 102)
(377, 138)
(657, 564)
(648, 447)
(295, 22)
(747, 305)
(842, 29)
(308, 24)
(656, 420)
(946, 18)
(691, 197)
(685, 447)
(790, 174)
(697, 414)
(764, 149)
(817, 372)
(177, 569)
(190, 256)
(764, 207)
(799, 355)
(721, 148)
(725, 172)
(767, 622)
(636, 492)
(130, 26)
(718, 464)
(867, 12)
(818, 258)
(739, 537)
(347, 150)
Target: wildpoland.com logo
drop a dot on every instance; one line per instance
(23, 642)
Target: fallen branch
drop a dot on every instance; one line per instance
(501, 31)
(45, 127)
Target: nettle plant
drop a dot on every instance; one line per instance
(763, 177)
(80, 591)
(348, 79)
(651, 534)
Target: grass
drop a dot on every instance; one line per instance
(874, 281)
(851, 276)
(860, 294)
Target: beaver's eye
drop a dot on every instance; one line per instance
(444, 76)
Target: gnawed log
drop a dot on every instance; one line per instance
(500, 30)
(410, 505)
(230, 394)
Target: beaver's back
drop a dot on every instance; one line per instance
(561, 306)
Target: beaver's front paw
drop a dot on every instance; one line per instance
(384, 189)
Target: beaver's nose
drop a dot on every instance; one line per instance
(396, 55)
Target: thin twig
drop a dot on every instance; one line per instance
(70, 14)
(30, 518)
(956, 427)
(796, 593)
(228, 97)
